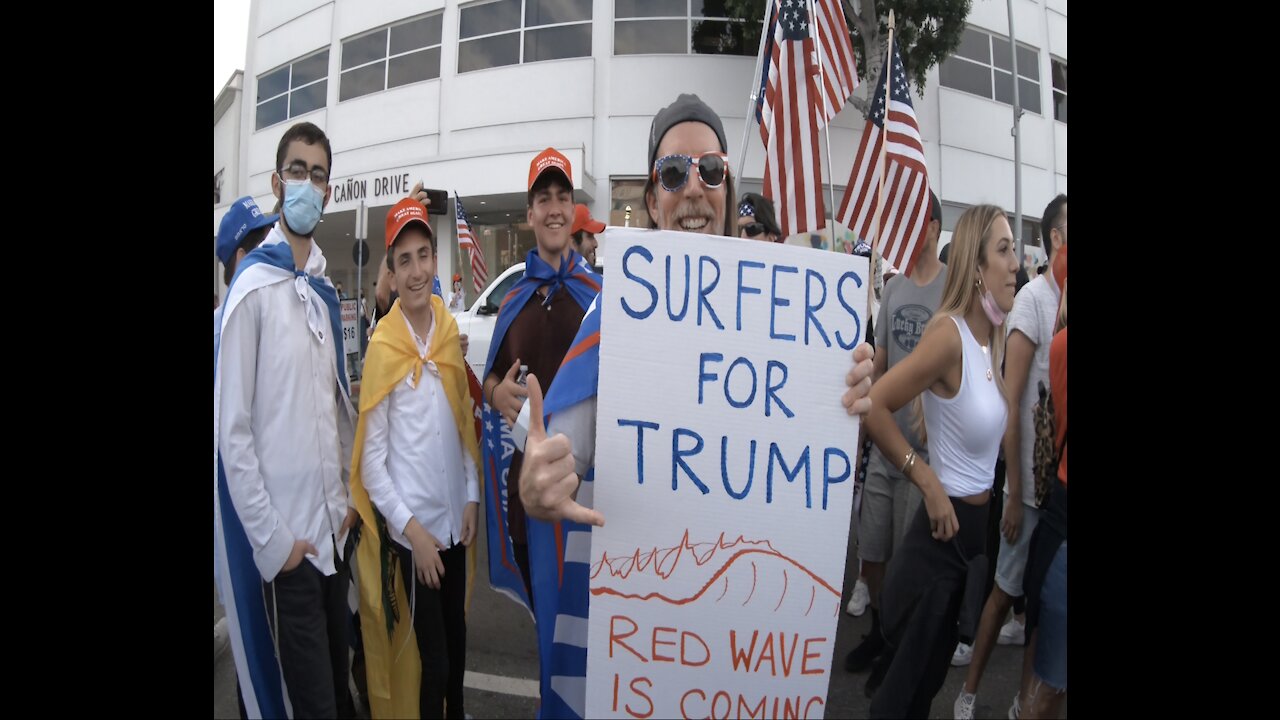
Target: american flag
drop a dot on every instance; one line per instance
(789, 119)
(840, 72)
(906, 179)
(467, 239)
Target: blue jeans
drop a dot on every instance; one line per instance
(1050, 663)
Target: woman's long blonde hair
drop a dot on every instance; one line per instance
(969, 241)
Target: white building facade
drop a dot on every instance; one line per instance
(462, 95)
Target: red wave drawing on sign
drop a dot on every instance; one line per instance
(666, 564)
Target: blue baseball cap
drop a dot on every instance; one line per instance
(242, 217)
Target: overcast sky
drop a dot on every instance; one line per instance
(230, 29)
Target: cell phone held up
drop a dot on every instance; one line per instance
(439, 200)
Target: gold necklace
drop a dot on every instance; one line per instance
(986, 353)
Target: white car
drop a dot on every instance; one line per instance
(478, 322)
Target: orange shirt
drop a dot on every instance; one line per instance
(1058, 386)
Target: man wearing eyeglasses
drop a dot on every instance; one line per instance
(756, 220)
(689, 189)
(687, 139)
(283, 436)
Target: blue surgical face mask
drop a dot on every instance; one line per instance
(303, 203)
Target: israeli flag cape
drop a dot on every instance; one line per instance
(237, 579)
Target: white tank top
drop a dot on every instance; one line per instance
(965, 431)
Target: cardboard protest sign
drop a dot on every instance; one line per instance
(725, 468)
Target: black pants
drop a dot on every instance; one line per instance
(440, 625)
(920, 604)
(1050, 533)
(994, 516)
(358, 670)
(309, 611)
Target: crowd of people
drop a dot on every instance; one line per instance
(311, 490)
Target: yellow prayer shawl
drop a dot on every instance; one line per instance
(393, 683)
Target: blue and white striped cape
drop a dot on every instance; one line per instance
(560, 553)
(236, 576)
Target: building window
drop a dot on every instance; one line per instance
(982, 65)
(391, 56)
(293, 90)
(684, 26)
(1030, 230)
(217, 187)
(1059, 90)
(509, 32)
(1033, 249)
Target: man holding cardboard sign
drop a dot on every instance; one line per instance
(690, 190)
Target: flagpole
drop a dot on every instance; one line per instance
(752, 98)
(457, 251)
(457, 233)
(360, 212)
(884, 141)
(826, 125)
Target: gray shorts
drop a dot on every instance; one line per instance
(1011, 564)
(889, 501)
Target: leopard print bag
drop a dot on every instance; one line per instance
(1045, 457)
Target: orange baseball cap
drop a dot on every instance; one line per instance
(582, 220)
(549, 159)
(401, 214)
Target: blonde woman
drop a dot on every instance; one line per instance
(955, 371)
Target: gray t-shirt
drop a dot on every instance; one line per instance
(1035, 310)
(904, 312)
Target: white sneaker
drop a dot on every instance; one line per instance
(964, 705)
(962, 656)
(1015, 710)
(861, 597)
(1013, 633)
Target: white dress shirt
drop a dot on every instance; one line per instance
(285, 425)
(414, 464)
